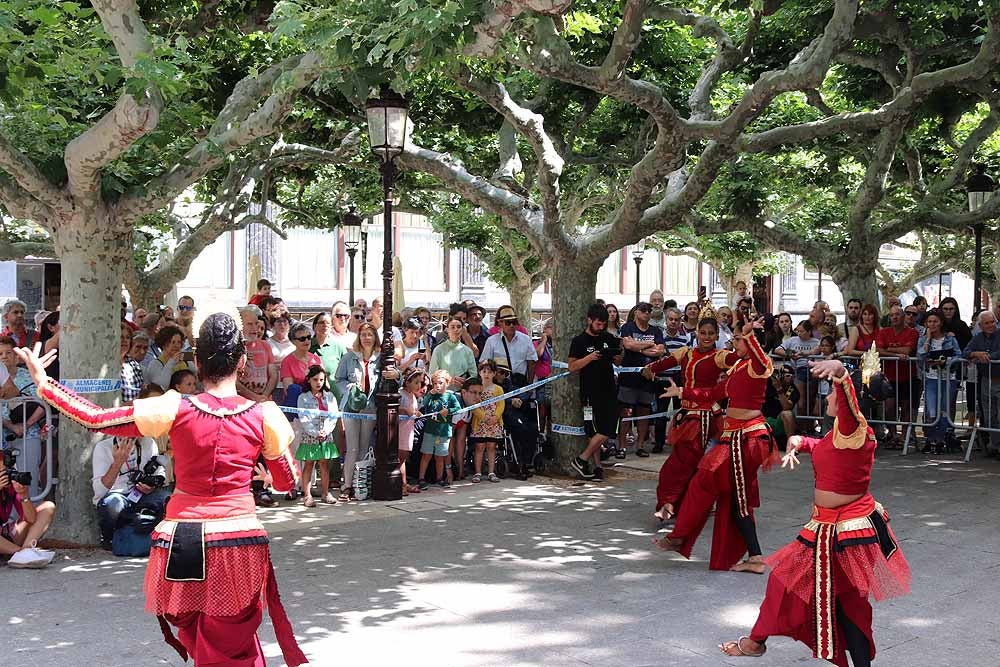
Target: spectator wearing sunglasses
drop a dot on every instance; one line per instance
(342, 317)
(513, 345)
(643, 344)
(911, 317)
(185, 320)
(296, 365)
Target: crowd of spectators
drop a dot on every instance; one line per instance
(332, 362)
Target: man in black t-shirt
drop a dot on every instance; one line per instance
(643, 344)
(592, 355)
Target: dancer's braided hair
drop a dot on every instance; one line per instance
(220, 347)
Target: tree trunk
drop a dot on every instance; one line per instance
(520, 298)
(92, 255)
(142, 296)
(856, 279)
(573, 290)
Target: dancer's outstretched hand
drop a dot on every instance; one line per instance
(673, 391)
(827, 369)
(35, 362)
(790, 459)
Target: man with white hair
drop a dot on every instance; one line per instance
(15, 326)
(983, 349)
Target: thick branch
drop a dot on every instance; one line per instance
(227, 136)
(498, 16)
(531, 126)
(13, 250)
(513, 209)
(30, 182)
(130, 118)
(872, 188)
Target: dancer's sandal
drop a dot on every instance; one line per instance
(728, 647)
(754, 566)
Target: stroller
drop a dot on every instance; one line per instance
(521, 442)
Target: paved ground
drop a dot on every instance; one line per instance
(541, 574)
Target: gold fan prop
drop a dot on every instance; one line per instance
(870, 365)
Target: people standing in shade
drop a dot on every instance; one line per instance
(984, 351)
(438, 406)
(475, 328)
(935, 350)
(410, 353)
(411, 394)
(797, 350)
(512, 345)
(642, 343)
(296, 365)
(170, 340)
(591, 356)
(454, 356)
(15, 324)
(487, 425)
(263, 292)
(281, 346)
(326, 347)
(316, 443)
(691, 317)
(614, 320)
(358, 377)
(657, 317)
(258, 378)
(896, 344)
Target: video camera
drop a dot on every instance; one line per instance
(10, 463)
(149, 475)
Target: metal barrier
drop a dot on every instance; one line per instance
(34, 442)
(955, 388)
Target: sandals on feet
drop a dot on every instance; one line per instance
(738, 645)
(663, 514)
(665, 544)
(309, 502)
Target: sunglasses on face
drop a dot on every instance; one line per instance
(301, 339)
(644, 310)
(359, 317)
(512, 323)
(185, 307)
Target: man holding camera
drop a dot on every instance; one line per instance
(127, 478)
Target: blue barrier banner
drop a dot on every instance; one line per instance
(92, 385)
(568, 430)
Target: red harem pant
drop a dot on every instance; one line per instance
(839, 558)
(217, 641)
(731, 487)
(689, 436)
(217, 604)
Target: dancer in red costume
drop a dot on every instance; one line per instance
(209, 571)
(819, 585)
(727, 474)
(698, 420)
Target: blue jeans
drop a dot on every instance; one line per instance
(111, 506)
(939, 395)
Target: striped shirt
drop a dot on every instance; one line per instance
(672, 343)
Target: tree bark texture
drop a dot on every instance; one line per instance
(573, 289)
(93, 255)
(856, 278)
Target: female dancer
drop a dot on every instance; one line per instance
(698, 420)
(727, 474)
(819, 585)
(209, 570)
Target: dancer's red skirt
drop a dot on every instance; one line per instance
(218, 607)
(840, 558)
(689, 435)
(726, 478)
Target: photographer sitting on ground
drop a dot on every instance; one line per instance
(126, 481)
(19, 536)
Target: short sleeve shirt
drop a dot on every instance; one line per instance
(897, 369)
(651, 335)
(259, 358)
(597, 379)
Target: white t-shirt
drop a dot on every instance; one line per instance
(796, 344)
(522, 350)
(104, 457)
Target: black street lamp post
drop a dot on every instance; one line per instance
(637, 253)
(352, 225)
(387, 129)
(980, 187)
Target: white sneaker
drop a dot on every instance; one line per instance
(31, 558)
